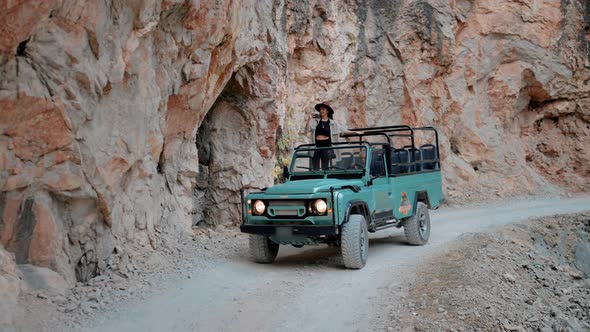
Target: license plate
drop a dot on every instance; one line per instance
(284, 231)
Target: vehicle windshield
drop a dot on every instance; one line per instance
(339, 162)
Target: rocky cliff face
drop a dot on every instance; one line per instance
(126, 122)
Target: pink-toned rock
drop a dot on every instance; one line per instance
(56, 157)
(180, 119)
(156, 145)
(12, 204)
(19, 20)
(43, 242)
(17, 181)
(36, 125)
(538, 22)
(112, 172)
(63, 177)
(5, 160)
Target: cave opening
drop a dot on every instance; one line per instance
(225, 144)
(85, 269)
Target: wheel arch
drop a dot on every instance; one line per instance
(421, 196)
(357, 207)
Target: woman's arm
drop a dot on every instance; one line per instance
(349, 132)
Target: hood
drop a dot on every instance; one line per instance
(311, 186)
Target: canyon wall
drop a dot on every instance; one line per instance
(125, 123)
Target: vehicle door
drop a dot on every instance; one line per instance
(380, 188)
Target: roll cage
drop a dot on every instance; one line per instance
(403, 160)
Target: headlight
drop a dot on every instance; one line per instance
(259, 207)
(320, 206)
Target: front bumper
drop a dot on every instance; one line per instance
(306, 230)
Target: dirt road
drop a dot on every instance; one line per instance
(309, 290)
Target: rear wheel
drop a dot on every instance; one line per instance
(355, 242)
(263, 249)
(417, 227)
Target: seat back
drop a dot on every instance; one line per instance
(377, 165)
(415, 157)
(346, 160)
(399, 157)
(428, 152)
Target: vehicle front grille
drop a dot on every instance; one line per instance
(287, 209)
(286, 203)
(280, 213)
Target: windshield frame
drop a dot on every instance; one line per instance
(331, 171)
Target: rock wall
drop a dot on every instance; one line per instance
(506, 83)
(101, 104)
(10, 288)
(124, 122)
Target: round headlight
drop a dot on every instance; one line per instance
(320, 206)
(259, 207)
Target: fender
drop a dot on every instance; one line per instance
(361, 205)
(420, 196)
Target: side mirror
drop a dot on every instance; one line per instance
(285, 173)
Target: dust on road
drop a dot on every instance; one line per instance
(220, 289)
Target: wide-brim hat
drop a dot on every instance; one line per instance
(326, 105)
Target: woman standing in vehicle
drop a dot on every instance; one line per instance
(324, 131)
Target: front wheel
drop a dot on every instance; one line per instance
(417, 227)
(263, 249)
(355, 242)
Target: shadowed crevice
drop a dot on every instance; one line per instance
(24, 232)
(22, 47)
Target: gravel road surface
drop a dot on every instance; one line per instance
(308, 289)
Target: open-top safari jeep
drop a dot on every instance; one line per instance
(368, 186)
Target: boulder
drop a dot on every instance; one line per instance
(44, 280)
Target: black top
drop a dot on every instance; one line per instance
(323, 128)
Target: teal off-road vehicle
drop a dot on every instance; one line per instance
(380, 178)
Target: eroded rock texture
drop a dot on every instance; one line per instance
(10, 287)
(126, 122)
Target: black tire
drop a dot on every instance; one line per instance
(417, 227)
(263, 249)
(355, 242)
